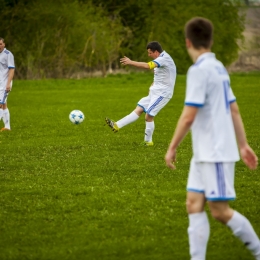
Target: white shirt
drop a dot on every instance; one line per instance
(208, 88)
(164, 76)
(6, 63)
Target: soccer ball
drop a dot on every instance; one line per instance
(76, 117)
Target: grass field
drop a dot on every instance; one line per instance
(82, 192)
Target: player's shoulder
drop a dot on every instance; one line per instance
(166, 55)
(195, 68)
(7, 52)
(167, 58)
(197, 72)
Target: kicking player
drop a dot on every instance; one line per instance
(212, 113)
(6, 76)
(160, 93)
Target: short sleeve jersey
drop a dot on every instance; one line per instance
(6, 63)
(208, 88)
(164, 76)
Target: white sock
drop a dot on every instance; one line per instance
(198, 235)
(148, 137)
(242, 228)
(1, 113)
(6, 117)
(127, 120)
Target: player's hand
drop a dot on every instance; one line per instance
(170, 159)
(125, 61)
(249, 157)
(8, 88)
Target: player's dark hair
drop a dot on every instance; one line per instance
(200, 32)
(2, 39)
(154, 46)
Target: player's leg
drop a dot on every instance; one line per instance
(6, 118)
(155, 105)
(238, 223)
(199, 229)
(149, 129)
(2, 95)
(132, 117)
(219, 191)
(1, 111)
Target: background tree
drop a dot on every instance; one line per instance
(59, 38)
(164, 20)
(63, 38)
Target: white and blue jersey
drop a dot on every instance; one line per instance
(208, 88)
(164, 76)
(6, 63)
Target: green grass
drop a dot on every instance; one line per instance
(82, 192)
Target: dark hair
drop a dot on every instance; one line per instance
(154, 46)
(200, 32)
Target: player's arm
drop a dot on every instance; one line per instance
(143, 65)
(183, 126)
(9, 80)
(246, 152)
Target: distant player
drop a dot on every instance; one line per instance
(212, 114)
(6, 76)
(160, 93)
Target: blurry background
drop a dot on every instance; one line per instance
(81, 38)
(249, 53)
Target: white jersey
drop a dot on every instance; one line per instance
(6, 63)
(164, 76)
(208, 88)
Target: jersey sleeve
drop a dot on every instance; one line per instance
(196, 87)
(10, 61)
(231, 96)
(160, 61)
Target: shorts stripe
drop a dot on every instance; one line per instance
(4, 98)
(154, 104)
(221, 180)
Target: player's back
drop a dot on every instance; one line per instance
(212, 131)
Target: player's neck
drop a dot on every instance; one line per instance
(196, 53)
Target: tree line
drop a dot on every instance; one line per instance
(56, 39)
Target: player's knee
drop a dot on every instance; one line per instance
(221, 212)
(195, 203)
(221, 216)
(148, 118)
(139, 110)
(191, 206)
(216, 214)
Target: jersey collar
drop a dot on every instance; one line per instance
(205, 56)
(162, 53)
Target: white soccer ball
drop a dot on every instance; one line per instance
(76, 117)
